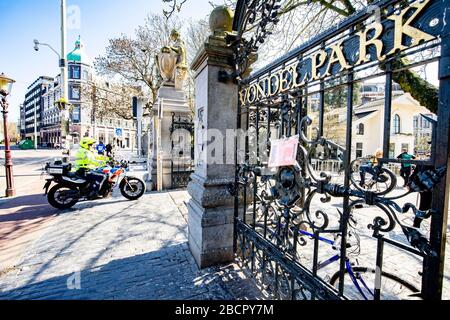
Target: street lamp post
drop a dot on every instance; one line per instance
(65, 114)
(5, 89)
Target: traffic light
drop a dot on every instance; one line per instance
(135, 107)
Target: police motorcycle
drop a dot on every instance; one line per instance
(71, 187)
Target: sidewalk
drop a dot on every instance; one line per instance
(117, 249)
(24, 218)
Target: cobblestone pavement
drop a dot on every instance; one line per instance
(116, 249)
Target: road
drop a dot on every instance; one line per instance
(24, 218)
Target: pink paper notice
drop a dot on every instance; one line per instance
(283, 152)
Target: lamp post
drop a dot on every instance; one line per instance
(37, 43)
(65, 116)
(5, 89)
(63, 106)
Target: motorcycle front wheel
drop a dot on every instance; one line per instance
(132, 188)
(63, 197)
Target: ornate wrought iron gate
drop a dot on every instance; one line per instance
(182, 135)
(289, 218)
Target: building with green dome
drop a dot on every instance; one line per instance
(83, 123)
(78, 55)
(79, 73)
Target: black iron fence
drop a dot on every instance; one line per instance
(302, 233)
(182, 137)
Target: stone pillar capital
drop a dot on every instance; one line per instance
(214, 52)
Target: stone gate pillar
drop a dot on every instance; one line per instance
(211, 208)
(171, 101)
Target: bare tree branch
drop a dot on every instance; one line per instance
(133, 60)
(108, 99)
(315, 16)
(174, 6)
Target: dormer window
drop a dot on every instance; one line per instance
(360, 129)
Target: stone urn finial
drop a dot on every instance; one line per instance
(221, 21)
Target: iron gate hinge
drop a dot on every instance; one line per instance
(227, 77)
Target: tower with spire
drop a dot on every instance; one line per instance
(78, 54)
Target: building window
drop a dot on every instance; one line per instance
(360, 129)
(359, 150)
(74, 72)
(74, 93)
(369, 89)
(76, 114)
(392, 151)
(397, 124)
(396, 87)
(111, 137)
(416, 123)
(101, 137)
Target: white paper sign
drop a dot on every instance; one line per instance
(284, 152)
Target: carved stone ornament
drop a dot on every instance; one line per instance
(167, 63)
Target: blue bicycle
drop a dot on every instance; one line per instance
(358, 278)
(358, 281)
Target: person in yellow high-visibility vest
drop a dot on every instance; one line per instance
(86, 163)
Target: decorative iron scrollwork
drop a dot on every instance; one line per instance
(259, 16)
(290, 181)
(280, 216)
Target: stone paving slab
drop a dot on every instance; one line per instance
(115, 249)
(27, 216)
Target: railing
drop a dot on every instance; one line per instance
(332, 166)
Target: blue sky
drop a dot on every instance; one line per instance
(24, 20)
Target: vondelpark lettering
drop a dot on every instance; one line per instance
(323, 63)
